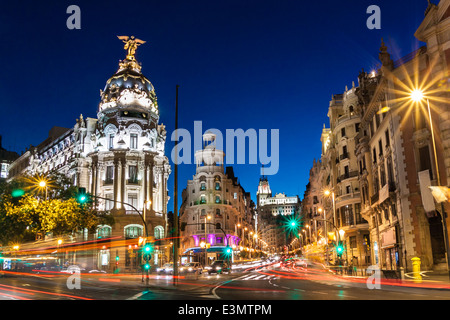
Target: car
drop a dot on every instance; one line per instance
(165, 269)
(301, 263)
(219, 266)
(191, 267)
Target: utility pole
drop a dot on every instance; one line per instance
(175, 200)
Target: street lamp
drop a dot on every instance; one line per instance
(206, 247)
(43, 184)
(417, 96)
(325, 233)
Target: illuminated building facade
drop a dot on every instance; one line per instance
(272, 211)
(215, 193)
(119, 156)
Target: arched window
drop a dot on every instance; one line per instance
(217, 185)
(103, 232)
(159, 232)
(133, 231)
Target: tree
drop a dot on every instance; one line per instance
(24, 217)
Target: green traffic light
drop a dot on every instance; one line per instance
(147, 266)
(17, 193)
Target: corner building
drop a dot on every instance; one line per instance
(119, 157)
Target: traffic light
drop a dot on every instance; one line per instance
(117, 260)
(147, 250)
(82, 197)
(17, 193)
(339, 249)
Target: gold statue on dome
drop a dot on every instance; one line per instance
(131, 44)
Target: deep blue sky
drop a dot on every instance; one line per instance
(240, 64)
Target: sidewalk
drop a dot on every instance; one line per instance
(430, 279)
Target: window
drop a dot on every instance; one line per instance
(347, 189)
(380, 146)
(132, 174)
(425, 160)
(352, 242)
(103, 232)
(343, 132)
(133, 231)
(382, 174)
(344, 152)
(357, 127)
(133, 141)
(133, 200)
(111, 141)
(109, 204)
(348, 215)
(374, 155)
(386, 134)
(109, 174)
(159, 232)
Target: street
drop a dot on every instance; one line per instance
(266, 282)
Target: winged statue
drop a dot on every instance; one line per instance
(131, 44)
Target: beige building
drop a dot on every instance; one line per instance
(395, 151)
(340, 177)
(216, 211)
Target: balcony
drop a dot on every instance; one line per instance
(348, 175)
(343, 156)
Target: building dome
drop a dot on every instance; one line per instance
(125, 78)
(128, 88)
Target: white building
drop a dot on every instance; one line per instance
(271, 213)
(119, 155)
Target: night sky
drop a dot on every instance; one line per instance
(239, 64)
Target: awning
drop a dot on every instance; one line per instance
(200, 249)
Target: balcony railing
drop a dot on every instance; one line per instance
(348, 175)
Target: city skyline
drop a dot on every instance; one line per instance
(246, 60)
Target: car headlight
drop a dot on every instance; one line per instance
(208, 268)
(218, 268)
(190, 269)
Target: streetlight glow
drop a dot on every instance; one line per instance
(417, 95)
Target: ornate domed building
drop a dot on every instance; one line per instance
(119, 157)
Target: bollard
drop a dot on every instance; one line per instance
(416, 270)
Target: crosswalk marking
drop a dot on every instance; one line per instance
(258, 277)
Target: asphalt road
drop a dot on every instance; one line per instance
(273, 282)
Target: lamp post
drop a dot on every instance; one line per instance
(206, 247)
(43, 184)
(417, 96)
(326, 234)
